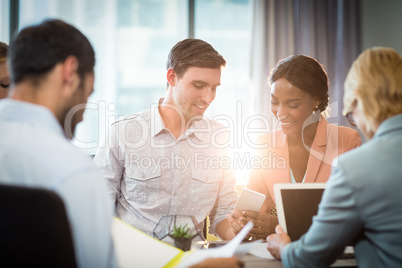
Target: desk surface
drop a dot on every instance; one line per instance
(252, 261)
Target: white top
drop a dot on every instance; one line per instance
(151, 173)
(293, 179)
(34, 152)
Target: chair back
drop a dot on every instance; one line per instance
(34, 229)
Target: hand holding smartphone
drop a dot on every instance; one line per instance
(250, 200)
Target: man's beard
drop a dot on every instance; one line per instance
(73, 113)
(68, 127)
(70, 133)
(69, 120)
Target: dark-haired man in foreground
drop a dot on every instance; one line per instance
(52, 71)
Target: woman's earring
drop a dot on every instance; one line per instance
(315, 110)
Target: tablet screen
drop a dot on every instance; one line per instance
(299, 206)
(296, 206)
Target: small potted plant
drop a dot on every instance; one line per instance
(182, 238)
(178, 230)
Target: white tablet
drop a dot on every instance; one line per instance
(296, 204)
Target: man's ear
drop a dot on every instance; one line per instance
(171, 77)
(70, 78)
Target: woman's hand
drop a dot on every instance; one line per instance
(276, 242)
(264, 223)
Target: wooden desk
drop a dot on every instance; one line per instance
(252, 261)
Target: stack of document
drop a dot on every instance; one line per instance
(133, 248)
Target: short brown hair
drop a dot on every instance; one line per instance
(193, 53)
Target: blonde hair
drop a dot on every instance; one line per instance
(375, 82)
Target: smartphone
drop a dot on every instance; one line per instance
(250, 200)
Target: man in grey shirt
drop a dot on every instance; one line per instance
(170, 159)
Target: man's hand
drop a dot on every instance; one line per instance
(224, 231)
(276, 242)
(232, 262)
(237, 221)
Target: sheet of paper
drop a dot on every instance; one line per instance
(225, 251)
(245, 248)
(261, 251)
(137, 249)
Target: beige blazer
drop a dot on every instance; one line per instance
(329, 142)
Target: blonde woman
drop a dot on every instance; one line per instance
(362, 204)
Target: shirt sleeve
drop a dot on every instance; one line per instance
(336, 226)
(109, 160)
(90, 213)
(225, 201)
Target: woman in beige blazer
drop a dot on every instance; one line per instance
(304, 147)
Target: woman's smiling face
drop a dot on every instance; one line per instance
(291, 106)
